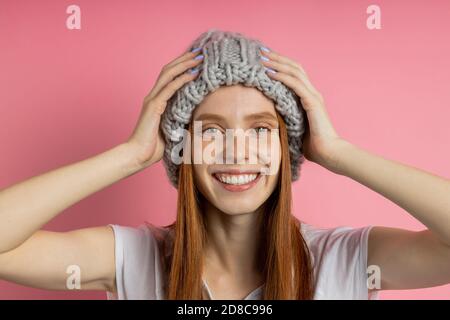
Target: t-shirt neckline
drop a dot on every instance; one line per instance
(254, 292)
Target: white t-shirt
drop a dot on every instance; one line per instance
(339, 257)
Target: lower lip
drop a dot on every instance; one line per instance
(240, 187)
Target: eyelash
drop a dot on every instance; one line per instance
(264, 127)
(258, 127)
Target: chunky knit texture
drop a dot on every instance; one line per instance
(230, 58)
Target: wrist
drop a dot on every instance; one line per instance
(336, 159)
(132, 160)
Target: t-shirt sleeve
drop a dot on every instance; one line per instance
(340, 262)
(135, 263)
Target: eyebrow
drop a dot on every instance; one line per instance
(256, 116)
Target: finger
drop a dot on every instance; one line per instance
(274, 56)
(172, 72)
(288, 69)
(279, 60)
(299, 87)
(169, 90)
(185, 56)
(278, 57)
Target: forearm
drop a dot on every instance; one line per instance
(424, 195)
(26, 206)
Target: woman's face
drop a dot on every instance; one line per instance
(237, 185)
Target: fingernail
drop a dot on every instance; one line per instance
(198, 57)
(265, 49)
(270, 70)
(264, 58)
(194, 70)
(196, 49)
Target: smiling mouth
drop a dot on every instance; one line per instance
(237, 181)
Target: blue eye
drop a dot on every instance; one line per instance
(264, 129)
(206, 130)
(210, 130)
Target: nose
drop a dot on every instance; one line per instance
(240, 147)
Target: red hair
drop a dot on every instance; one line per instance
(285, 257)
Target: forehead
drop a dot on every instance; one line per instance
(235, 101)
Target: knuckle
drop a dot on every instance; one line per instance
(191, 62)
(299, 75)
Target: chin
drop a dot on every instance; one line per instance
(234, 203)
(238, 207)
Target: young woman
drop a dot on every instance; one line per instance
(231, 239)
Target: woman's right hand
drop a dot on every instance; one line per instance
(146, 139)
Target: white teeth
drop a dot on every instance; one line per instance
(236, 179)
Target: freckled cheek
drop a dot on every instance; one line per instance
(269, 150)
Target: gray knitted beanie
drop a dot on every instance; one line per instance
(230, 58)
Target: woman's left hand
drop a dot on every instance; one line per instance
(321, 143)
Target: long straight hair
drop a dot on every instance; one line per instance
(284, 253)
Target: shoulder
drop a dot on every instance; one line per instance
(135, 235)
(339, 257)
(140, 242)
(132, 242)
(335, 238)
(137, 261)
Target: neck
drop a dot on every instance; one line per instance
(233, 241)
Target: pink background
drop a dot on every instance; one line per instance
(70, 94)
